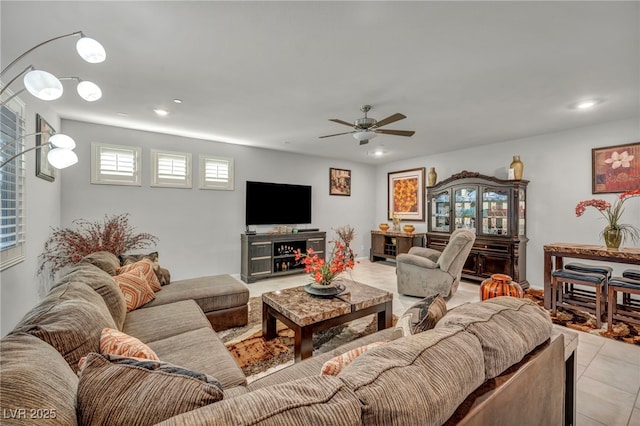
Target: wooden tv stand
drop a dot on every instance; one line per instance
(271, 255)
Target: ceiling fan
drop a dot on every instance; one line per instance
(367, 128)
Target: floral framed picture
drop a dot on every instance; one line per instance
(615, 168)
(406, 194)
(44, 170)
(339, 182)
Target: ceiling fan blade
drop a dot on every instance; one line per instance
(336, 134)
(395, 132)
(335, 120)
(391, 119)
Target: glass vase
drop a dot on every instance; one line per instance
(612, 238)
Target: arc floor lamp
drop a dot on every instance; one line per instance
(45, 86)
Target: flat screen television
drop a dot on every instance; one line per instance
(277, 204)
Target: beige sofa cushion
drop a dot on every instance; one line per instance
(508, 328)
(160, 322)
(103, 284)
(211, 293)
(70, 319)
(435, 369)
(112, 392)
(35, 377)
(104, 260)
(320, 400)
(201, 350)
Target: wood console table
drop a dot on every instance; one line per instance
(387, 245)
(554, 254)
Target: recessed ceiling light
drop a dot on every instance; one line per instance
(161, 112)
(586, 104)
(376, 153)
(177, 101)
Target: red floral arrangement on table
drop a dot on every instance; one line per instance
(324, 272)
(68, 246)
(613, 213)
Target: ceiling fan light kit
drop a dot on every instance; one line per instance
(366, 128)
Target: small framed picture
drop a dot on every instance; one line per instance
(339, 182)
(615, 168)
(44, 170)
(406, 194)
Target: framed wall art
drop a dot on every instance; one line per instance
(339, 182)
(406, 194)
(615, 168)
(44, 170)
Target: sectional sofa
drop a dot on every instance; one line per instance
(497, 362)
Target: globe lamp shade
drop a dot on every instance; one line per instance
(62, 141)
(61, 158)
(43, 85)
(90, 50)
(89, 91)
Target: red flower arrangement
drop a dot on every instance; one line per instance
(613, 213)
(68, 246)
(324, 272)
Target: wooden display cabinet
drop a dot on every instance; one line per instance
(387, 245)
(495, 210)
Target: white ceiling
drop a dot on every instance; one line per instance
(271, 74)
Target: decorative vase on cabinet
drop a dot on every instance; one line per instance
(517, 167)
(432, 177)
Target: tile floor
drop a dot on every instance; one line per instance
(608, 371)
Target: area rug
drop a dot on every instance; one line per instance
(258, 357)
(585, 321)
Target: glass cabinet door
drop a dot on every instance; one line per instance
(465, 208)
(440, 212)
(522, 229)
(495, 211)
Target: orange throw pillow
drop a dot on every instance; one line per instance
(135, 289)
(115, 342)
(334, 366)
(146, 266)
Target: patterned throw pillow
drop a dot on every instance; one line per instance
(163, 274)
(334, 366)
(422, 316)
(148, 392)
(147, 268)
(115, 342)
(135, 289)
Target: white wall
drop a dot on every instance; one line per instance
(558, 167)
(20, 289)
(199, 230)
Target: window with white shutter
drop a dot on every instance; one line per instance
(115, 164)
(216, 173)
(170, 169)
(12, 180)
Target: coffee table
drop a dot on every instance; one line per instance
(306, 314)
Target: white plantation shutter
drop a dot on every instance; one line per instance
(170, 169)
(12, 180)
(115, 164)
(216, 173)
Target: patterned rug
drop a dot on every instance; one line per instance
(258, 357)
(585, 321)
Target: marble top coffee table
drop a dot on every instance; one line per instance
(306, 314)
